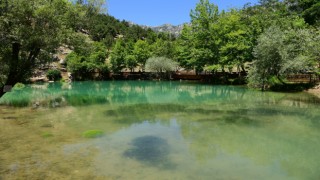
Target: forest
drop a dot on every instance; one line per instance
(267, 41)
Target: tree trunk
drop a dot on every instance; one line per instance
(262, 88)
(2, 91)
(239, 71)
(243, 69)
(13, 65)
(13, 68)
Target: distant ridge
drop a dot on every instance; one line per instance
(167, 28)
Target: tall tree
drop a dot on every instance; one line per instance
(280, 52)
(203, 20)
(141, 52)
(162, 48)
(31, 28)
(184, 47)
(83, 64)
(235, 40)
(118, 56)
(308, 9)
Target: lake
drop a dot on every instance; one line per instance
(157, 130)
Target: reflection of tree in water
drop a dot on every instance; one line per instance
(88, 93)
(262, 135)
(137, 92)
(151, 150)
(131, 114)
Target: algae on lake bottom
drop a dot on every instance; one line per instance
(92, 133)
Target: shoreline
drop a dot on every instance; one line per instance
(314, 91)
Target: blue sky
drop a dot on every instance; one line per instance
(158, 12)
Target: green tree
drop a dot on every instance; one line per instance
(160, 64)
(162, 48)
(203, 23)
(29, 29)
(131, 62)
(141, 52)
(53, 74)
(308, 9)
(235, 40)
(281, 52)
(118, 56)
(257, 19)
(74, 62)
(184, 47)
(84, 64)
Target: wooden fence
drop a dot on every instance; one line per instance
(303, 78)
(206, 77)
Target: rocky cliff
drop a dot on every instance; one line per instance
(168, 28)
(176, 30)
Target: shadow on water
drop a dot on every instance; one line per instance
(242, 120)
(257, 116)
(150, 150)
(252, 111)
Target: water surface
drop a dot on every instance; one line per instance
(157, 130)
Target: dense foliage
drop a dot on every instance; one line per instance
(53, 75)
(160, 64)
(281, 52)
(30, 32)
(277, 38)
(88, 63)
(270, 39)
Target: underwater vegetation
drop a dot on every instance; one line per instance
(18, 86)
(46, 135)
(92, 133)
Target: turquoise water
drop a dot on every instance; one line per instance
(157, 130)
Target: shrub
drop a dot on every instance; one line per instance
(160, 64)
(18, 86)
(54, 74)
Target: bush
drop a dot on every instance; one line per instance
(160, 64)
(54, 74)
(18, 86)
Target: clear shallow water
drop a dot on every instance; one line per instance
(157, 130)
